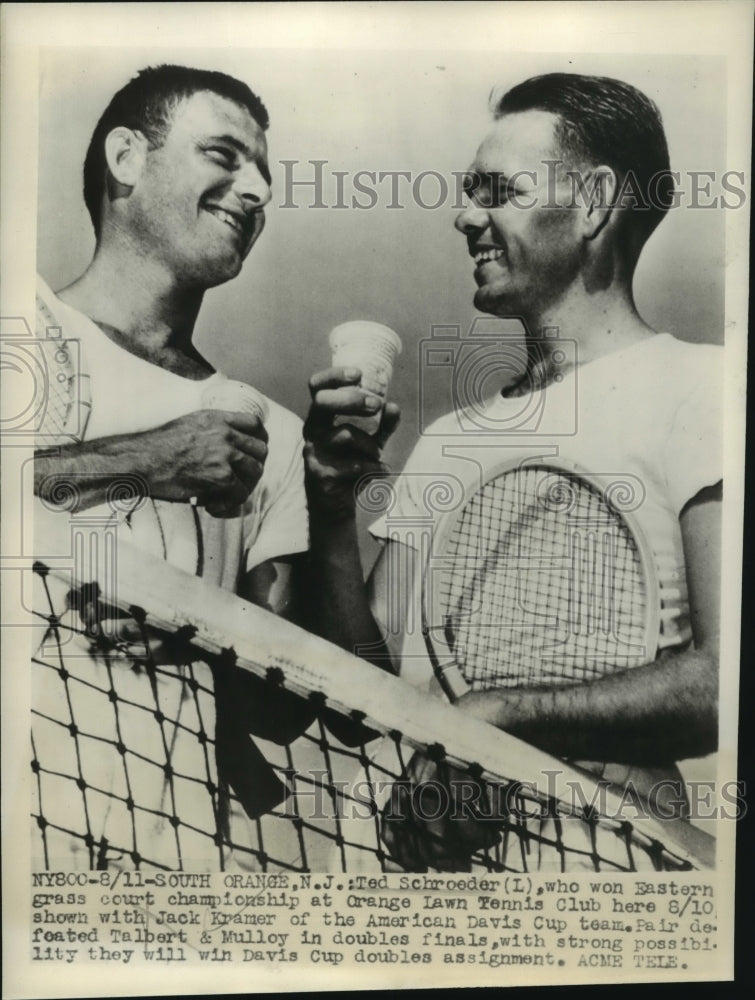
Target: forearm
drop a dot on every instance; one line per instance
(656, 713)
(214, 455)
(339, 606)
(82, 475)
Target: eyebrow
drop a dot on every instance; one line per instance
(241, 147)
(476, 180)
(473, 172)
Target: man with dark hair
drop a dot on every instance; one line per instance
(176, 182)
(627, 401)
(603, 121)
(147, 104)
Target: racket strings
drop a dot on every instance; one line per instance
(541, 582)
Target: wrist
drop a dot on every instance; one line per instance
(329, 512)
(480, 704)
(332, 532)
(506, 708)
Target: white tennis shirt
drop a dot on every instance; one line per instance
(131, 395)
(645, 421)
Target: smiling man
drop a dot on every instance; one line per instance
(566, 187)
(176, 181)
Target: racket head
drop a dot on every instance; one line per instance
(64, 416)
(541, 576)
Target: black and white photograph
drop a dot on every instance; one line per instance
(371, 373)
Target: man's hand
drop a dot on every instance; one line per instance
(338, 459)
(438, 819)
(214, 455)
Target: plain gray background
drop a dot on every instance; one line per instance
(314, 267)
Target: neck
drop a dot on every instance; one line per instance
(129, 294)
(599, 323)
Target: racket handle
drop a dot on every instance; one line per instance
(451, 681)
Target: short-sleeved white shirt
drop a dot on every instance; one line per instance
(129, 395)
(646, 418)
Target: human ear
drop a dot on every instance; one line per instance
(124, 154)
(600, 202)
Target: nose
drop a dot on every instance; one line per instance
(472, 219)
(252, 187)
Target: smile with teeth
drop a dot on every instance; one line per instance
(223, 216)
(485, 255)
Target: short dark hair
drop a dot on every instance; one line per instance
(609, 122)
(147, 104)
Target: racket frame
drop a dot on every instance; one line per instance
(445, 668)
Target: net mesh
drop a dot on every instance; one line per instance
(539, 581)
(218, 762)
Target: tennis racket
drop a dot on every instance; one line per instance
(67, 406)
(543, 575)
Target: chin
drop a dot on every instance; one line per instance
(217, 273)
(488, 301)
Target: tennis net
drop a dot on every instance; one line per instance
(232, 739)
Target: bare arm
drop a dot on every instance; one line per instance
(660, 712)
(336, 460)
(215, 455)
